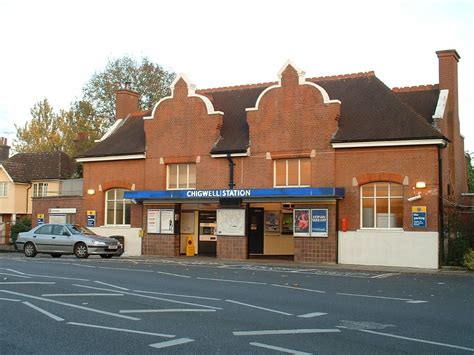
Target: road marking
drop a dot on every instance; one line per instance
(106, 284)
(151, 297)
(71, 305)
(169, 343)
(121, 330)
(177, 295)
(262, 308)
(46, 313)
(417, 340)
(15, 271)
(79, 294)
(122, 268)
(15, 275)
(383, 276)
(58, 277)
(277, 348)
(26, 283)
(237, 281)
(311, 315)
(285, 331)
(407, 300)
(298, 288)
(90, 266)
(9, 299)
(170, 274)
(169, 310)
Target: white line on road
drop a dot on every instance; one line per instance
(285, 331)
(15, 271)
(299, 288)
(106, 284)
(311, 315)
(262, 308)
(169, 310)
(237, 281)
(26, 283)
(170, 274)
(383, 276)
(9, 299)
(416, 340)
(89, 266)
(122, 330)
(46, 313)
(407, 300)
(122, 268)
(70, 305)
(169, 343)
(15, 275)
(146, 296)
(58, 277)
(177, 295)
(277, 348)
(79, 294)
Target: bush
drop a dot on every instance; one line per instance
(469, 259)
(22, 225)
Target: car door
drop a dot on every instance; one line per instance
(61, 241)
(42, 238)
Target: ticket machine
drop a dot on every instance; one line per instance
(207, 232)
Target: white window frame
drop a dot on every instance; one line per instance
(177, 177)
(286, 173)
(40, 189)
(3, 188)
(124, 201)
(389, 197)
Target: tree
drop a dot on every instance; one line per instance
(150, 80)
(470, 172)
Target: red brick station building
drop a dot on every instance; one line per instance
(338, 169)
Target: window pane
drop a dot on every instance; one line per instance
(396, 213)
(368, 190)
(368, 213)
(305, 173)
(292, 172)
(119, 194)
(127, 212)
(192, 176)
(183, 176)
(119, 212)
(381, 189)
(382, 213)
(280, 171)
(396, 190)
(110, 213)
(110, 195)
(172, 176)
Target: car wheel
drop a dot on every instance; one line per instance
(29, 250)
(80, 250)
(106, 256)
(56, 255)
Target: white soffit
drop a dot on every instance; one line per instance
(389, 143)
(111, 158)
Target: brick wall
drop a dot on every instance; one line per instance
(41, 205)
(232, 247)
(161, 245)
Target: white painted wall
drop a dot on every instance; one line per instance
(389, 248)
(133, 242)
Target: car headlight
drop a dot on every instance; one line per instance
(95, 242)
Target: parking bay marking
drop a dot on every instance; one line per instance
(178, 295)
(15, 275)
(71, 305)
(311, 315)
(277, 348)
(106, 284)
(26, 283)
(407, 300)
(171, 274)
(285, 331)
(169, 343)
(298, 288)
(58, 277)
(79, 294)
(262, 308)
(122, 330)
(169, 310)
(236, 281)
(46, 313)
(9, 299)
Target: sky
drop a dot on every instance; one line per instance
(50, 49)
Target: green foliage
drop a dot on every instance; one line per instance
(22, 225)
(469, 259)
(150, 80)
(470, 172)
(460, 233)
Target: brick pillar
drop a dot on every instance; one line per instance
(231, 247)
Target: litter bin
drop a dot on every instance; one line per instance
(190, 246)
(121, 240)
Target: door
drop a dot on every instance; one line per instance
(42, 238)
(61, 241)
(255, 230)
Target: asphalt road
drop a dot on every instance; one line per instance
(196, 306)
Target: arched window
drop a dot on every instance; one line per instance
(381, 205)
(117, 207)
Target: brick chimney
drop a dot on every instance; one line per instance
(4, 149)
(126, 102)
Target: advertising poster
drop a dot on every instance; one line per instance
(301, 222)
(319, 222)
(272, 222)
(153, 221)
(167, 221)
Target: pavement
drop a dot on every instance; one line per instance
(278, 262)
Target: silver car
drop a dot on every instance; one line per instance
(59, 239)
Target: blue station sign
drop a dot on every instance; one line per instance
(331, 192)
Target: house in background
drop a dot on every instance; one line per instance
(25, 176)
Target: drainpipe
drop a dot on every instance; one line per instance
(26, 210)
(440, 209)
(231, 172)
(337, 231)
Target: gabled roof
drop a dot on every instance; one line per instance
(27, 167)
(423, 99)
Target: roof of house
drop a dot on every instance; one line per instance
(370, 111)
(27, 167)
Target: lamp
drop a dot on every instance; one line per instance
(90, 191)
(420, 184)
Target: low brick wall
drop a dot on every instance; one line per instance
(161, 245)
(317, 250)
(232, 247)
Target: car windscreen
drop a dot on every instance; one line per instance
(80, 230)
